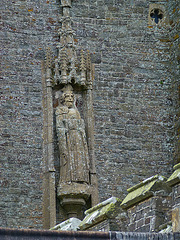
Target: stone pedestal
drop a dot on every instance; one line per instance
(73, 206)
(73, 198)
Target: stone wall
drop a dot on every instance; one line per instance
(132, 97)
(153, 205)
(106, 216)
(149, 215)
(176, 196)
(174, 69)
(174, 182)
(133, 89)
(28, 26)
(148, 205)
(176, 208)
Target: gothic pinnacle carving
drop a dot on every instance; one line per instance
(66, 67)
(89, 69)
(83, 68)
(57, 75)
(63, 67)
(83, 62)
(48, 57)
(48, 66)
(88, 61)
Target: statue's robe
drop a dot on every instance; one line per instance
(74, 158)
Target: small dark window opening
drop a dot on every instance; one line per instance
(156, 14)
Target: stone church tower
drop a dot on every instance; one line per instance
(118, 70)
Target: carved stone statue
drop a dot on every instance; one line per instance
(74, 158)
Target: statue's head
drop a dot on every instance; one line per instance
(68, 96)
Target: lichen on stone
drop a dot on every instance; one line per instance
(100, 212)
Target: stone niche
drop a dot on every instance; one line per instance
(68, 131)
(148, 205)
(75, 175)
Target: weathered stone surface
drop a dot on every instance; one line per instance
(72, 224)
(106, 216)
(174, 182)
(148, 205)
(74, 157)
(176, 219)
(144, 190)
(175, 177)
